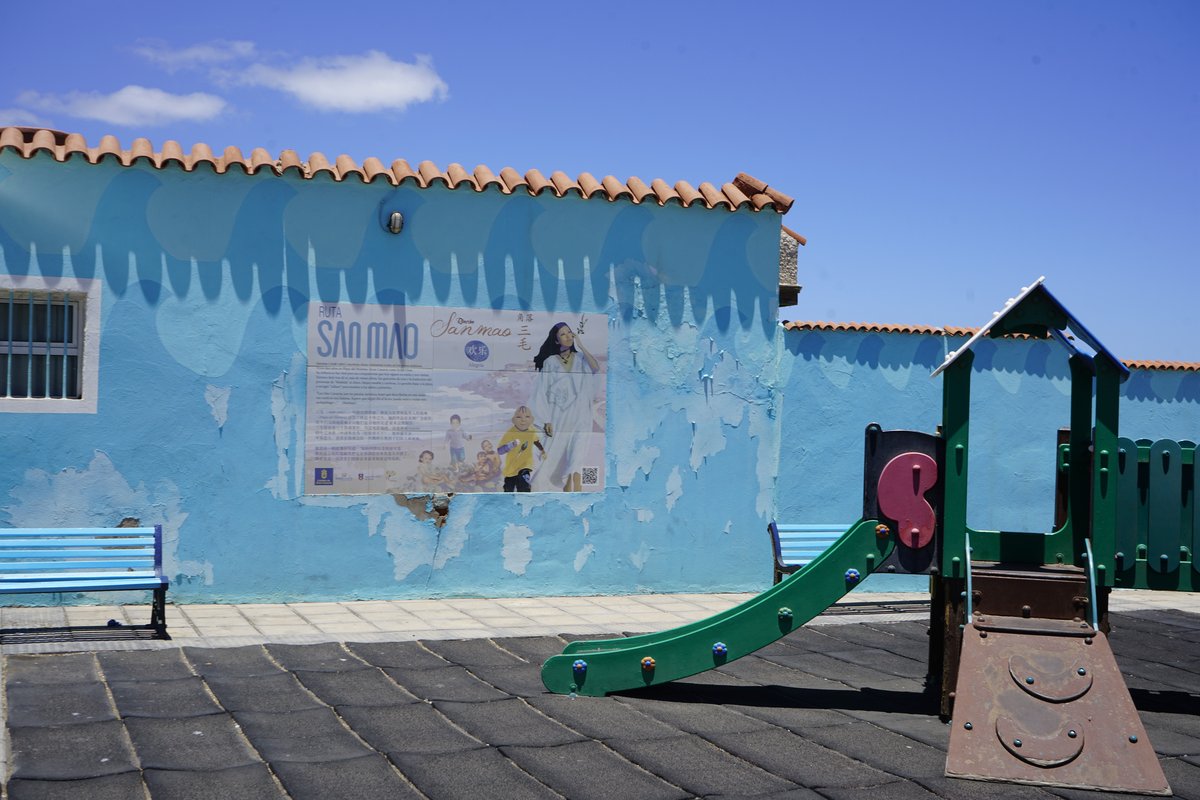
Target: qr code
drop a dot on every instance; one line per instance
(591, 476)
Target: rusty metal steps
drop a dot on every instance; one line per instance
(1042, 701)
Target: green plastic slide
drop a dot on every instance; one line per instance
(598, 667)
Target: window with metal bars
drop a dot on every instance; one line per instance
(40, 338)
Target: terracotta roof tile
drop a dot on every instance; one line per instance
(753, 186)
(109, 146)
(141, 149)
(75, 145)
(780, 199)
(589, 185)
(485, 178)
(952, 330)
(317, 164)
(640, 190)
(44, 140)
(742, 192)
(714, 197)
(861, 327)
(794, 235)
(171, 152)
(458, 174)
(665, 193)
(373, 168)
(428, 172)
(735, 195)
(564, 185)
(537, 182)
(290, 160)
(201, 154)
(615, 189)
(345, 166)
(403, 172)
(749, 184)
(688, 193)
(512, 179)
(1181, 366)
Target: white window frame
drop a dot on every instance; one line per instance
(87, 293)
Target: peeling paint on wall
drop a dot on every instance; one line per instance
(217, 398)
(517, 551)
(674, 488)
(581, 558)
(410, 544)
(641, 557)
(287, 412)
(98, 495)
(453, 535)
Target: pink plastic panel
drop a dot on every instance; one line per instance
(902, 487)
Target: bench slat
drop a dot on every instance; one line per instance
(81, 586)
(83, 577)
(800, 543)
(51, 542)
(809, 528)
(140, 552)
(116, 532)
(116, 563)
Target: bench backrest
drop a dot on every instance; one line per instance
(798, 544)
(35, 556)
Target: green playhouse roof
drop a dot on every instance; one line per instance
(1037, 312)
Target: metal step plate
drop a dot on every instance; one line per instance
(1042, 702)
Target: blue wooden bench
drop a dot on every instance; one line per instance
(37, 560)
(796, 545)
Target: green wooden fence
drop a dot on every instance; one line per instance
(1158, 519)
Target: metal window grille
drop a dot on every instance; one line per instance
(40, 336)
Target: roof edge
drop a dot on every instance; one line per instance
(958, 331)
(744, 191)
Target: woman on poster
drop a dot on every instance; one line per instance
(562, 404)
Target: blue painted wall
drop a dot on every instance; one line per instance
(834, 383)
(206, 283)
(717, 419)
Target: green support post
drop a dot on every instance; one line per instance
(1079, 474)
(956, 412)
(1105, 473)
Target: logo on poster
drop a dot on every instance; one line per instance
(476, 350)
(323, 476)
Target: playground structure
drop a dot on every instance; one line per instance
(1019, 657)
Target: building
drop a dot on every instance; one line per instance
(257, 353)
(182, 315)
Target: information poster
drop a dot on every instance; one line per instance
(415, 399)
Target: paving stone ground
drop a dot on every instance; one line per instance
(832, 711)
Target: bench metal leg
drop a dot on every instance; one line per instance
(158, 613)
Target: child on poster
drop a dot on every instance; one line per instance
(432, 478)
(517, 448)
(456, 439)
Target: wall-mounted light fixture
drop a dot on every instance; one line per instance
(395, 222)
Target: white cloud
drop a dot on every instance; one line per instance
(132, 105)
(198, 55)
(20, 117)
(361, 83)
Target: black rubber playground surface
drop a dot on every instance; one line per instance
(835, 711)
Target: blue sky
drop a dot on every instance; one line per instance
(942, 154)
